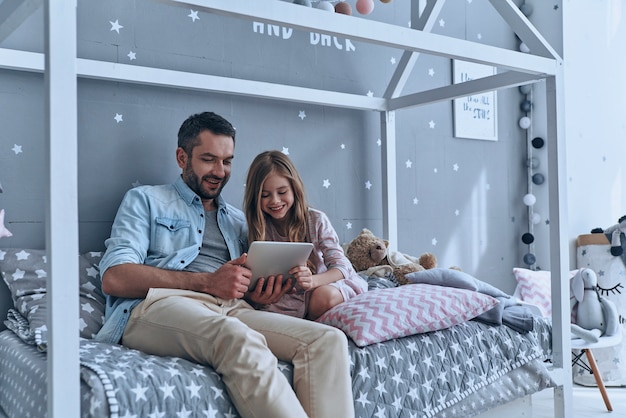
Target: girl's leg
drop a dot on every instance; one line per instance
(322, 299)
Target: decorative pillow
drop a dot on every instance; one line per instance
(534, 286)
(25, 271)
(384, 314)
(454, 278)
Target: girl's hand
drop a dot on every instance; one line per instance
(304, 277)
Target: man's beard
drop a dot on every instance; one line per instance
(195, 183)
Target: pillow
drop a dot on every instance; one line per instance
(25, 271)
(534, 286)
(454, 278)
(384, 314)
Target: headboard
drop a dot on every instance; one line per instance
(5, 302)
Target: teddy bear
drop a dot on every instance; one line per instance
(370, 254)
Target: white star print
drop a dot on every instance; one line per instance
(132, 56)
(326, 183)
(140, 392)
(22, 255)
(118, 118)
(168, 391)
(17, 149)
(193, 15)
(219, 393)
(368, 185)
(19, 274)
(115, 26)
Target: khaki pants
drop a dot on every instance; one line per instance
(242, 344)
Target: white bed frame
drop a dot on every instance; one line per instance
(61, 68)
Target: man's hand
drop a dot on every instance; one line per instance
(266, 294)
(231, 281)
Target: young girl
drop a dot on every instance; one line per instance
(276, 210)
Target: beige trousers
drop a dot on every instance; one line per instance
(242, 344)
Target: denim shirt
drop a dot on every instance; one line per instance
(161, 226)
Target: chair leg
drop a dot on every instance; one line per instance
(599, 382)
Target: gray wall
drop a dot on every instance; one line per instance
(469, 209)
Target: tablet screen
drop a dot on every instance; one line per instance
(271, 258)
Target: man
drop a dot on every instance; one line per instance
(175, 282)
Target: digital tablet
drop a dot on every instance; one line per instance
(271, 258)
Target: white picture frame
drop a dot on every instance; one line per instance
(475, 116)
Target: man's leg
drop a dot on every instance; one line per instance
(319, 354)
(192, 326)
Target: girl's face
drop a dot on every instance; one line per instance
(276, 196)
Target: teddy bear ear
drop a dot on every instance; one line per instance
(386, 243)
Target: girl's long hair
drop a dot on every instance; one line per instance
(297, 218)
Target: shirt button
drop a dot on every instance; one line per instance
(202, 215)
(199, 231)
(182, 261)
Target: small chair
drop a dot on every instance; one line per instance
(585, 347)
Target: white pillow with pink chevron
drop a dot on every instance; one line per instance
(385, 314)
(533, 286)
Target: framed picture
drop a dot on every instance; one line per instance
(475, 116)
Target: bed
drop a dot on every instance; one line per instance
(461, 368)
(380, 387)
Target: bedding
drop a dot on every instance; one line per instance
(456, 370)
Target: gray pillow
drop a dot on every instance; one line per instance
(25, 271)
(454, 278)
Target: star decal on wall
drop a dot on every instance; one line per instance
(302, 115)
(479, 36)
(4, 232)
(285, 151)
(442, 23)
(431, 72)
(132, 55)
(409, 163)
(349, 225)
(370, 93)
(457, 212)
(431, 124)
(342, 146)
(434, 242)
(193, 15)
(368, 185)
(115, 26)
(17, 149)
(136, 183)
(326, 183)
(455, 167)
(393, 60)
(118, 118)
(415, 200)
(379, 142)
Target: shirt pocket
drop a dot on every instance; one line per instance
(171, 235)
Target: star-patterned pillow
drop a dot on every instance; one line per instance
(25, 272)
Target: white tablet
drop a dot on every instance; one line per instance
(271, 258)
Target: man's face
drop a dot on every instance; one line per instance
(207, 170)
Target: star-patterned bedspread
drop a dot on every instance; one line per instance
(417, 376)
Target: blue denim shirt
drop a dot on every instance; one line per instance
(161, 226)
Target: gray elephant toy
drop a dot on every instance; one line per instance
(596, 316)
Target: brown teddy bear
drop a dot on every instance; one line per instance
(370, 254)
